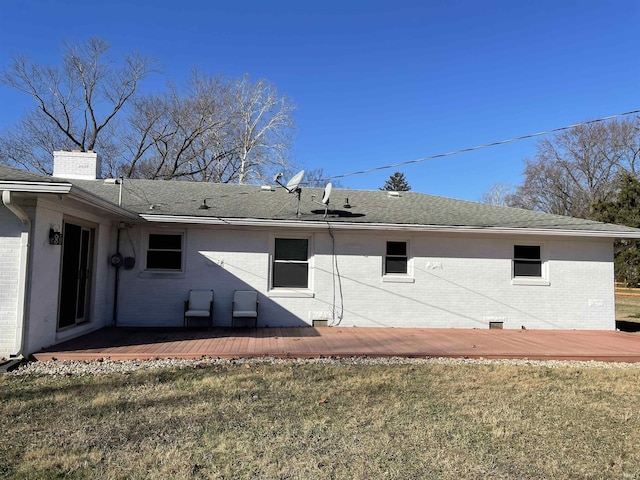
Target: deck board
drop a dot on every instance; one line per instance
(148, 343)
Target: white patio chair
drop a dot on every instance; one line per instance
(199, 305)
(245, 306)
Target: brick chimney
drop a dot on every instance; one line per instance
(77, 165)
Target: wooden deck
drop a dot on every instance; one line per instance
(150, 343)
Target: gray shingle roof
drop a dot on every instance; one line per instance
(181, 198)
(13, 174)
(365, 206)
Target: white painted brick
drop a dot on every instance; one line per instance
(79, 165)
(10, 231)
(458, 281)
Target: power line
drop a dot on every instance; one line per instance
(487, 145)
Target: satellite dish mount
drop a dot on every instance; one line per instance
(292, 186)
(325, 198)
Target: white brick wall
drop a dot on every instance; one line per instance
(10, 230)
(458, 281)
(80, 165)
(45, 276)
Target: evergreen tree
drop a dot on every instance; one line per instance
(624, 210)
(396, 183)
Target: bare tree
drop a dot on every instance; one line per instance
(579, 167)
(176, 135)
(262, 128)
(76, 102)
(29, 143)
(548, 189)
(213, 129)
(317, 178)
(499, 194)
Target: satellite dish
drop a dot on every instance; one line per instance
(327, 194)
(293, 184)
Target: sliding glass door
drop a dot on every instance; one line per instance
(75, 284)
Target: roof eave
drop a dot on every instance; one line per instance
(64, 188)
(111, 207)
(256, 222)
(35, 187)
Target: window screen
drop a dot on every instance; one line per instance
(164, 252)
(396, 259)
(527, 261)
(291, 263)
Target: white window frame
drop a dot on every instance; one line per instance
(543, 279)
(397, 277)
(290, 291)
(164, 271)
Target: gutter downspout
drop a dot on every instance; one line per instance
(21, 317)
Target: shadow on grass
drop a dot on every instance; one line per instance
(626, 326)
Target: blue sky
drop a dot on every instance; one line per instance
(376, 82)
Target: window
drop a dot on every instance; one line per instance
(396, 259)
(164, 251)
(527, 261)
(291, 263)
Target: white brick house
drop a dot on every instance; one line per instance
(406, 260)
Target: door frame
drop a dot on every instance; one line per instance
(76, 298)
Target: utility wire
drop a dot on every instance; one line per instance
(487, 145)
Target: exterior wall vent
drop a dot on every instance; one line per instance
(320, 318)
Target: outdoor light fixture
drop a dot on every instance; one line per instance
(55, 236)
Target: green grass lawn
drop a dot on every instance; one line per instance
(310, 421)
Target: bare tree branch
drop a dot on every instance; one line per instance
(212, 129)
(579, 168)
(82, 96)
(209, 129)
